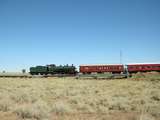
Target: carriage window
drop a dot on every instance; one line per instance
(86, 68)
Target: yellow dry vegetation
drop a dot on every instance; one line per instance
(77, 99)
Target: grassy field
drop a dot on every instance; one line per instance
(72, 99)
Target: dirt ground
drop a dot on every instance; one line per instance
(87, 116)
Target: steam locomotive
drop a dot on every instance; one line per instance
(52, 69)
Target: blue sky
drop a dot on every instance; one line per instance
(39, 32)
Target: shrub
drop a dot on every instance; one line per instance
(138, 75)
(61, 108)
(23, 97)
(5, 105)
(38, 110)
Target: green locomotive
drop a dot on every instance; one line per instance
(53, 70)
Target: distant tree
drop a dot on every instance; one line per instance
(3, 71)
(23, 71)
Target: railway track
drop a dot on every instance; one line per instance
(27, 75)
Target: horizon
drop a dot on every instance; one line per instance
(78, 32)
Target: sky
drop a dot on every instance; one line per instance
(40, 32)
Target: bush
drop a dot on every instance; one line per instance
(138, 75)
(38, 110)
(61, 108)
(5, 105)
(23, 97)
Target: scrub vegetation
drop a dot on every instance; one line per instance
(76, 99)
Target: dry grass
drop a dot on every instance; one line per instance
(38, 110)
(59, 98)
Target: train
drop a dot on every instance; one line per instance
(52, 69)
